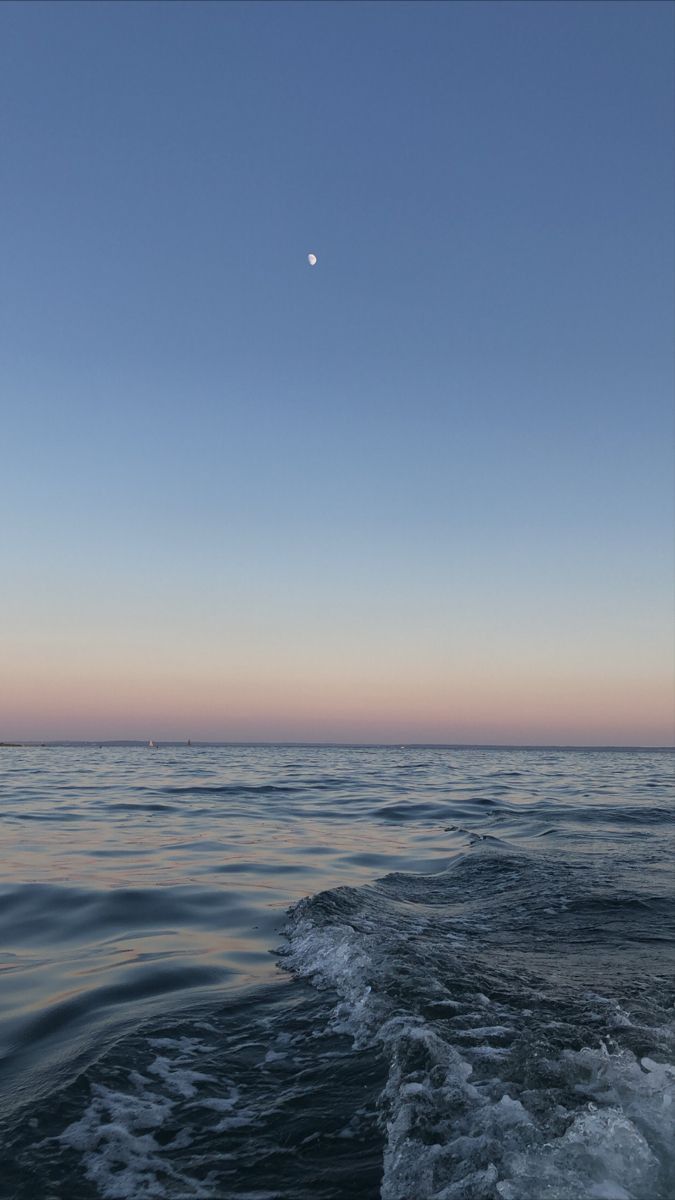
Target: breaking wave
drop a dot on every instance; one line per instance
(508, 1075)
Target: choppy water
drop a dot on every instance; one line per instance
(471, 999)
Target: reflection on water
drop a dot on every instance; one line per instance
(139, 887)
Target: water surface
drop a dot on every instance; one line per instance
(471, 997)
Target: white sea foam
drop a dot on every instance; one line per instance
(117, 1135)
(451, 1136)
(335, 956)
(178, 1079)
(116, 1138)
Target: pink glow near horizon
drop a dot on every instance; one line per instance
(461, 709)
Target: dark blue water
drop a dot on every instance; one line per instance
(471, 997)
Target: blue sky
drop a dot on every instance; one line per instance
(423, 489)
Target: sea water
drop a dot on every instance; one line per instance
(314, 973)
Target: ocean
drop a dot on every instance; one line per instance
(320, 973)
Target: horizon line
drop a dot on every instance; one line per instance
(194, 744)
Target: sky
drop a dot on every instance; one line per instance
(421, 491)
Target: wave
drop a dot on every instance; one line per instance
(508, 1076)
(226, 789)
(456, 1036)
(497, 1028)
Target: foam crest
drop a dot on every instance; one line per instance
(471, 1108)
(336, 956)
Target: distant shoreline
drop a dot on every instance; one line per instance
(107, 743)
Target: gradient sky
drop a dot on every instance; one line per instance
(422, 491)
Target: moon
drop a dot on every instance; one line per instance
(311, 259)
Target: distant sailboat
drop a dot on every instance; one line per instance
(152, 745)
